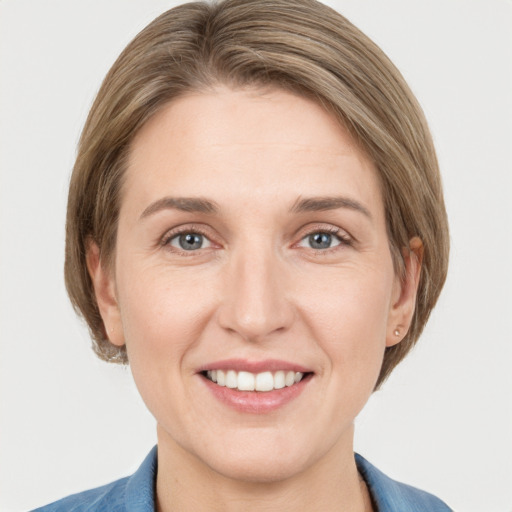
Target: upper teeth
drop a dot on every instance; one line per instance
(246, 381)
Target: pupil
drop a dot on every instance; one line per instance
(191, 241)
(320, 240)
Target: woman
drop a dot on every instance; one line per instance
(256, 223)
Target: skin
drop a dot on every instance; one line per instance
(255, 290)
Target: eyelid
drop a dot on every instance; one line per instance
(344, 239)
(205, 240)
(184, 229)
(310, 229)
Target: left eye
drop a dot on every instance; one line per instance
(320, 240)
(189, 241)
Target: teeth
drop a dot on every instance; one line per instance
(279, 380)
(231, 379)
(264, 382)
(221, 378)
(246, 381)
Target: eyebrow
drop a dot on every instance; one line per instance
(302, 205)
(185, 204)
(319, 204)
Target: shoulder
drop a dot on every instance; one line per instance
(392, 496)
(108, 497)
(130, 494)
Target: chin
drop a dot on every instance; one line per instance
(257, 470)
(264, 460)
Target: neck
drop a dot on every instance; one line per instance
(185, 483)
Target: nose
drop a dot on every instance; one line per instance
(255, 304)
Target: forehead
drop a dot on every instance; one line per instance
(259, 143)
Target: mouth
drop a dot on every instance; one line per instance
(263, 382)
(255, 387)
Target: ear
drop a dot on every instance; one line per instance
(105, 291)
(404, 293)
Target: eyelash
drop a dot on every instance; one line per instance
(344, 239)
(185, 230)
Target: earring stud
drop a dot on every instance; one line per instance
(396, 332)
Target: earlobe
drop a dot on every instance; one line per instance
(404, 297)
(105, 292)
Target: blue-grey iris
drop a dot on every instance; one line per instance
(320, 240)
(190, 241)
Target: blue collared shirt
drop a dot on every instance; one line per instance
(137, 493)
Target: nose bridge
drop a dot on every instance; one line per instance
(255, 303)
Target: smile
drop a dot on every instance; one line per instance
(247, 381)
(255, 387)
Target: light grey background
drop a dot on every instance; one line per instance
(443, 421)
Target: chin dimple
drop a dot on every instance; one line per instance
(246, 381)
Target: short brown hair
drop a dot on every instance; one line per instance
(298, 45)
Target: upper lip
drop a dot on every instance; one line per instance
(244, 365)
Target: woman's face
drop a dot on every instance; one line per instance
(252, 247)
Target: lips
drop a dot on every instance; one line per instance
(255, 387)
(268, 365)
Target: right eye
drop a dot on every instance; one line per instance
(189, 241)
(322, 240)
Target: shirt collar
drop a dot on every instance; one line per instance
(140, 488)
(391, 496)
(387, 494)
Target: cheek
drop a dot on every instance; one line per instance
(162, 309)
(348, 314)
(163, 314)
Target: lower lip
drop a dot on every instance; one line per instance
(257, 402)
